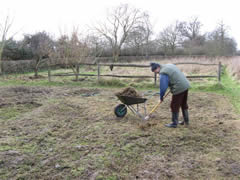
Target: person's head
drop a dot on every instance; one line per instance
(155, 67)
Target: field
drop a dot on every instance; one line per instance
(67, 130)
(234, 67)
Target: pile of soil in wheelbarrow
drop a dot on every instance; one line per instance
(131, 92)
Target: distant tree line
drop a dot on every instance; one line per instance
(127, 31)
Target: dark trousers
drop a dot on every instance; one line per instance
(179, 100)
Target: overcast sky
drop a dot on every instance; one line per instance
(31, 16)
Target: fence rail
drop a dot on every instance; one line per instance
(137, 65)
(109, 75)
(154, 77)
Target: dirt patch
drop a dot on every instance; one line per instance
(131, 92)
(20, 99)
(228, 167)
(21, 95)
(26, 102)
(80, 138)
(186, 153)
(32, 103)
(79, 79)
(37, 77)
(34, 90)
(80, 92)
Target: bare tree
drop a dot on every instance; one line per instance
(191, 29)
(96, 45)
(135, 41)
(120, 22)
(4, 30)
(168, 39)
(73, 50)
(222, 30)
(219, 43)
(191, 38)
(148, 32)
(40, 45)
(139, 38)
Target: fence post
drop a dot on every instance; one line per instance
(219, 71)
(155, 79)
(98, 72)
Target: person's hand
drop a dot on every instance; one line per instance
(161, 99)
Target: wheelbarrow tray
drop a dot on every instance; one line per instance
(131, 100)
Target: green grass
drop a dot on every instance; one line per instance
(9, 112)
(227, 87)
(14, 111)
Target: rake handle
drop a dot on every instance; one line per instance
(155, 107)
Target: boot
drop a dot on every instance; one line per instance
(174, 120)
(185, 117)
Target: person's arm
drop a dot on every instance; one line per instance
(164, 81)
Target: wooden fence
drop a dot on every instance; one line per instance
(99, 75)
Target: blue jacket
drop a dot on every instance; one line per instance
(164, 81)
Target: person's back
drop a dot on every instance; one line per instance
(177, 81)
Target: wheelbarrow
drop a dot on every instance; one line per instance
(132, 103)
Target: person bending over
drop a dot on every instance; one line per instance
(172, 77)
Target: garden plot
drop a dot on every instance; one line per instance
(72, 133)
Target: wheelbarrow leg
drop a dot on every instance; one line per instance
(135, 112)
(145, 110)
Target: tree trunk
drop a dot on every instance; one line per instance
(77, 72)
(35, 72)
(116, 53)
(147, 49)
(1, 67)
(36, 69)
(49, 73)
(173, 49)
(116, 56)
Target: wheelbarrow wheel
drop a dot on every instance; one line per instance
(120, 110)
